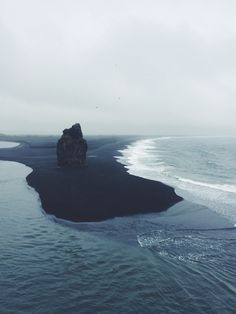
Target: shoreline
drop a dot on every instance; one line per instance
(102, 190)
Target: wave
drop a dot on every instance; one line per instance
(178, 164)
(223, 187)
(6, 144)
(189, 245)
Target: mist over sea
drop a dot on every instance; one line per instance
(179, 261)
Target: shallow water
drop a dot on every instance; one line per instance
(179, 261)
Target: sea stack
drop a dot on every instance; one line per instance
(72, 147)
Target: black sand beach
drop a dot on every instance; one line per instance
(101, 190)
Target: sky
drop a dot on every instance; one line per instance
(118, 66)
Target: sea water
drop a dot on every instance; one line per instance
(179, 261)
(202, 169)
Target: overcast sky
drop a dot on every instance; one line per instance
(118, 66)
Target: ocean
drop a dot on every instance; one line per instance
(182, 260)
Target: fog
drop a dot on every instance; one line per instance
(118, 67)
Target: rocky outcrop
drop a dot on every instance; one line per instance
(72, 147)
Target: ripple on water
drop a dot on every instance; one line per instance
(191, 245)
(50, 268)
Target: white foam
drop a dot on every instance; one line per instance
(223, 187)
(4, 144)
(144, 159)
(141, 159)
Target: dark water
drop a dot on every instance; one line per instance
(180, 261)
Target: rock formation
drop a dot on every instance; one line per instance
(72, 147)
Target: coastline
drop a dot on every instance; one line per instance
(101, 190)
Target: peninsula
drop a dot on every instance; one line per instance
(100, 189)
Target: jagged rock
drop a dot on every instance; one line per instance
(72, 147)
